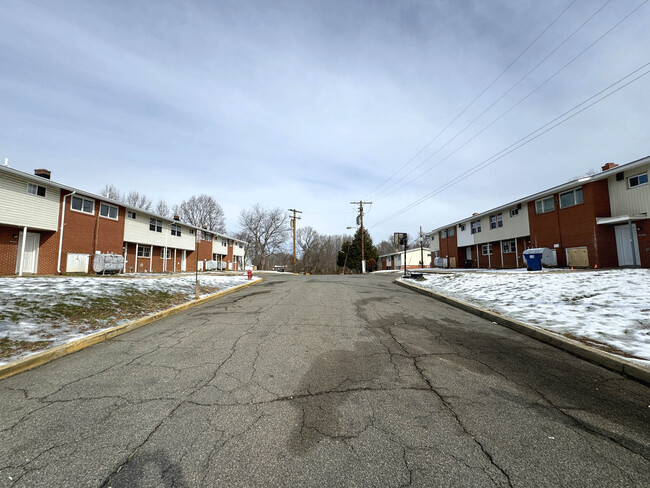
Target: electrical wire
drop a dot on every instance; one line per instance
(524, 140)
(512, 107)
(474, 100)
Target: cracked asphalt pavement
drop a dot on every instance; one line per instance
(323, 381)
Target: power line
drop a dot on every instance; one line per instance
(512, 107)
(475, 99)
(523, 141)
(553, 51)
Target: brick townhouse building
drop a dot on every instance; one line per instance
(598, 220)
(49, 228)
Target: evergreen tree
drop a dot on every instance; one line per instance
(354, 253)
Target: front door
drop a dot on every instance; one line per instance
(184, 261)
(30, 263)
(624, 246)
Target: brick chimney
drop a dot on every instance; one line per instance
(43, 173)
(176, 217)
(609, 166)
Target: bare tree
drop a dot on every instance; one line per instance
(138, 200)
(265, 230)
(386, 246)
(308, 241)
(111, 191)
(163, 209)
(202, 210)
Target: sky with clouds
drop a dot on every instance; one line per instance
(315, 104)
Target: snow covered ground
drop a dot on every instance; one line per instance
(28, 306)
(609, 307)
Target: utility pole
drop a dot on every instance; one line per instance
(293, 226)
(363, 257)
(421, 248)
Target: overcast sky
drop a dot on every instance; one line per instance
(314, 104)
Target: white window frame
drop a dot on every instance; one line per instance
(83, 200)
(496, 221)
(542, 207)
(176, 230)
(573, 192)
(33, 189)
(130, 214)
(508, 247)
(157, 225)
(450, 232)
(162, 253)
(146, 251)
(191, 232)
(461, 227)
(443, 234)
(487, 246)
(638, 177)
(109, 207)
(476, 226)
(514, 212)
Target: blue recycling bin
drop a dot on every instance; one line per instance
(533, 260)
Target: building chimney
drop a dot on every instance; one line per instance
(43, 173)
(176, 217)
(609, 166)
(474, 214)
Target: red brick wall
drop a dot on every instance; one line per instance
(8, 250)
(449, 249)
(575, 226)
(643, 237)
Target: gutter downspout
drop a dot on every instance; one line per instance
(629, 226)
(58, 262)
(22, 252)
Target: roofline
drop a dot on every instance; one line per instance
(61, 186)
(535, 196)
(402, 252)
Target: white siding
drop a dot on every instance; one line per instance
(513, 227)
(236, 250)
(22, 209)
(218, 247)
(629, 201)
(138, 231)
(464, 237)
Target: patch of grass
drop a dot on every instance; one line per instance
(10, 348)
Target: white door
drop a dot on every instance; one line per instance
(624, 247)
(30, 263)
(469, 253)
(184, 261)
(76, 263)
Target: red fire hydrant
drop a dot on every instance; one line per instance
(250, 274)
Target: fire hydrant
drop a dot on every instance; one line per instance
(250, 274)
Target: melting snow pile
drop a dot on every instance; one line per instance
(610, 307)
(33, 322)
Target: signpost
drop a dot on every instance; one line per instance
(401, 238)
(196, 272)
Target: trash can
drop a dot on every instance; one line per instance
(533, 259)
(469, 263)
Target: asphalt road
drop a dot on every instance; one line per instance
(323, 381)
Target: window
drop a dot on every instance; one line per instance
(462, 227)
(108, 211)
(496, 221)
(130, 215)
(82, 205)
(450, 232)
(514, 212)
(191, 231)
(144, 252)
(155, 225)
(571, 198)
(205, 236)
(223, 242)
(544, 205)
(486, 249)
(638, 180)
(241, 246)
(36, 189)
(162, 253)
(476, 226)
(443, 234)
(509, 246)
(176, 230)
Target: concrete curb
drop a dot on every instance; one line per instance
(48, 355)
(601, 358)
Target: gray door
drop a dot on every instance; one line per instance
(624, 246)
